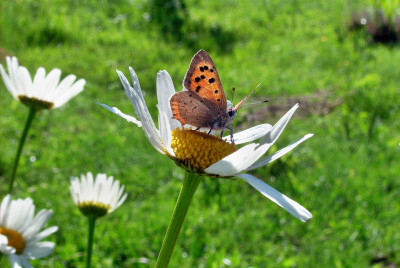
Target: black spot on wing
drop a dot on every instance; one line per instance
(211, 80)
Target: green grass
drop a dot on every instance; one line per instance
(347, 175)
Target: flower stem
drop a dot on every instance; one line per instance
(92, 222)
(189, 187)
(31, 116)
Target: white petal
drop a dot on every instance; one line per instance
(165, 90)
(49, 85)
(43, 234)
(165, 131)
(3, 240)
(243, 158)
(4, 248)
(17, 261)
(250, 134)
(135, 83)
(23, 83)
(39, 76)
(278, 154)
(4, 209)
(66, 83)
(65, 94)
(125, 116)
(8, 82)
(277, 129)
(136, 97)
(37, 223)
(39, 250)
(285, 202)
(122, 200)
(25, 262)
(236, 162)
(150, 130)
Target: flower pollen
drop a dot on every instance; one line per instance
(35, 103)
(195, 150)
(96, 209)
(15, 239)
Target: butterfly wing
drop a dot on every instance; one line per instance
(203, 80)
(189, 108)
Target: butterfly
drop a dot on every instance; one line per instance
(202, 103)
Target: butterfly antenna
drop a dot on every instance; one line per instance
(233, 93)
(242, 101)
(258, 102)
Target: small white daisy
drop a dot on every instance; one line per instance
(21, 231)
(44, 92)
(206, 154)
(97, 197)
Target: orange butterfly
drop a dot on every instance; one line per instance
(203, 103)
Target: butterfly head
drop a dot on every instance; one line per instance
(232, 112)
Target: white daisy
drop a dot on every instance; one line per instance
(97, 197)
(44, 92)
(21, 231)
(211, 156)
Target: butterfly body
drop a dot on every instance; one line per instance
(199, 112)
(203, 104)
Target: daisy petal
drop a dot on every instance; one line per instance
(49, 84)
(62, 95)
(42, 87)
(165, 90)
(236, 162)
(280, 199)
(17, 261)
(136, 97)
(116, 111)
(4, 209)
(165, 132)
(43, 234)
(278, 128)
(8, 82)
(24, 84)
(150, 130)
(4, 248)
(250, 134)
(101, 191)
(20, 217)
(278, 154)
(40, 250)
(243, 158)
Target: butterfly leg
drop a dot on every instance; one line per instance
(231, 129)
(211, 128)
(222, 132)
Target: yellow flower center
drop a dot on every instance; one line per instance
(15, 239)
(195, 150)
(96, 209)
(36, 103)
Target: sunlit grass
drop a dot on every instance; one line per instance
(345, 176)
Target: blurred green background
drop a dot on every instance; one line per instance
(347, 86)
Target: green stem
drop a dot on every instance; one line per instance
(92, 222)
(189, 187)
(32, 113)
